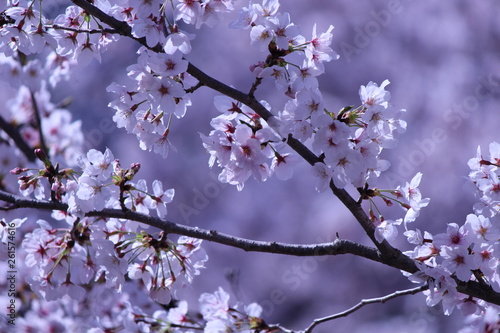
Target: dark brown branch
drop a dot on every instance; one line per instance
(38, 119)
(21, 202)
(333, 248)
(14, 134)
(257, 82)
(471, 288)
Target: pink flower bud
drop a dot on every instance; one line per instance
(18, 171)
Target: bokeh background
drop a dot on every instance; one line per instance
(442, 59)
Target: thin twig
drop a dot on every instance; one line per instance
(257, 82)
(364, 302)
(38, 119)
(193, 88)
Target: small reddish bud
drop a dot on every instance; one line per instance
(41, 155)
(135, 167)
(387, 202)
(18, 171)
(24, 178)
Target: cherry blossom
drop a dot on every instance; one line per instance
(178, 315)
(178, 40)
(372, 94)
(387, 230)
(323, 175)
(480, 228)
(283, 165)
(167, 64)
(137, 199)
(413, 198)
(454, 236)
(4, 228)
(220, 316)
(98, 164)
(459, 261)
(160, 198)
(188, 11)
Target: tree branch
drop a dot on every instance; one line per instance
(471, 288)
(85, 31)
(38, 119)
(336, 247)
(13, 133)
(364, 302)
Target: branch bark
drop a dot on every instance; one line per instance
(336, 247)
(38, 119)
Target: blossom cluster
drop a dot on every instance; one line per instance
(484, 177)
(349, 141)
(352, 140)
(155, 90)
(93, 191)
(69, 261)
(462, 253)
(242, 143)
(217, 314)
(158, 81)
(38, 120)
(26, 30)
(157, 86)
(101, 310)
(408, 197)
(467, 252)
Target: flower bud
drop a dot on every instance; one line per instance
(135, 167)
(67, 172)
(45, 159)
(18, 171)
(41, 155)
(24, 178)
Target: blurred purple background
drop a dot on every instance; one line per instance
(436, 56)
